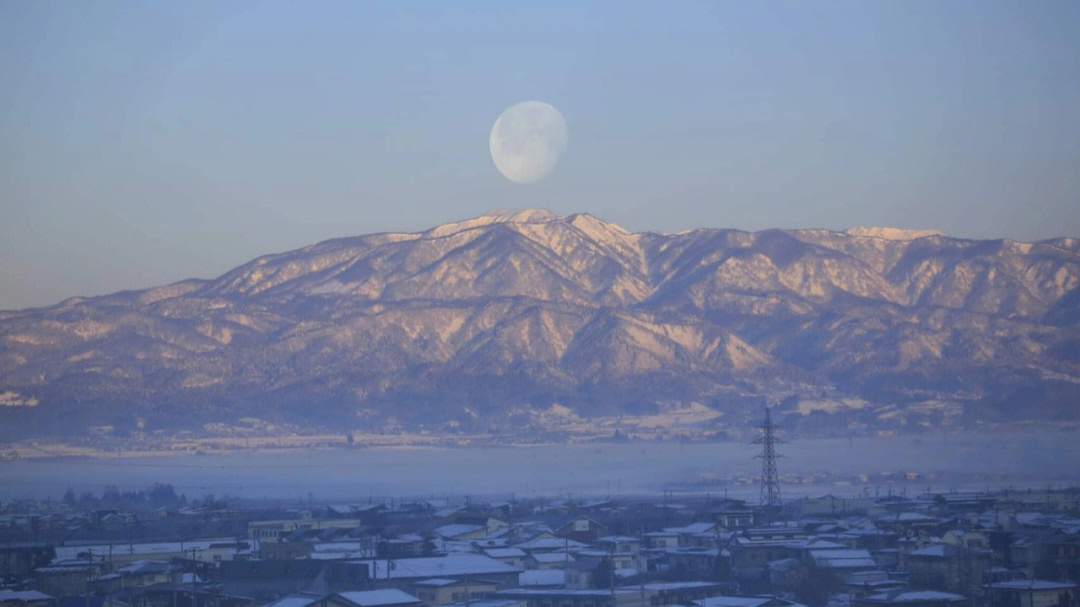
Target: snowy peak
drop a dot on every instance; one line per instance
(890, 233)
(497, 216)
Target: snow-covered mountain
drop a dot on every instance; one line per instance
(469, 324)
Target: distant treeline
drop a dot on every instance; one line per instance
(160, 495)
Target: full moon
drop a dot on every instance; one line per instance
(527, 141)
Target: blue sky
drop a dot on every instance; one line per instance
(148, 142)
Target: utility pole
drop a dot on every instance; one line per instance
(770, 480)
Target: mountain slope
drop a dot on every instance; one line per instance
(459, 325)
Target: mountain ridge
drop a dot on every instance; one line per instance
(458, 325)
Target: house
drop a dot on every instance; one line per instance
(587, 570)
(515, 557)
(491, 603)
(745, 601)
(784, 573)
(619, 544)
(443, 591)
(386, 597)
(548, 560)
(661, 540)
(461, 531)
(277, 529)
(171, 594)
(576, 598)
(946, 567)
(299, 600)
(662, 594)
(818, 506)
(1033, 593)
(909, 523)
(736, 519)
(952, 503)
(270, 579)
(547, 542)
(353, 598)
(581, 529)
(17, 560)
(1061, 551)
(139, 574)
(913, 598)
(25, 598)
(403, 573)
(66, 578)
(709, 563)
(842, 560)
(542, 578)
(689, 535)
(731, 514)
(970, 539)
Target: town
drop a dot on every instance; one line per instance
(1007, 548)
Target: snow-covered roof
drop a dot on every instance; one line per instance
(1032, 585)
(691, 529)
(843, 559)
(561, 592)
(486, 603)
(457, 530)
(295, 601)
(23, 596)
(376, 598)
(662, 586)
(504, 553)
(140, 567)
(916, 596)
(549, 543)
(734, 601)
(820, 544)
(438, 581)
(936, 551)
(148, 548)
(441, 566)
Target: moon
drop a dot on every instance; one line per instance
(527, 140)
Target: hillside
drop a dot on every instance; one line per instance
(514, 323)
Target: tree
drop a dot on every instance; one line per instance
(604, 574)
(87, 500)
(162, 494)
(111, 496)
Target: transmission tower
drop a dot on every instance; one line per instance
(770, 480)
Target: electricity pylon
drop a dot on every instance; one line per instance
(770, 480)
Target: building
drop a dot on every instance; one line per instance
(404, 573)
(745, 601)
(913, 598)
(443, 591)
(385, 597)
(515, 557)
(946, 567)
(25, 598)
(1033, 593)
(18, 560)
(581, 529)
(576, 598)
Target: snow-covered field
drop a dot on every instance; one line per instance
(937, 462)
